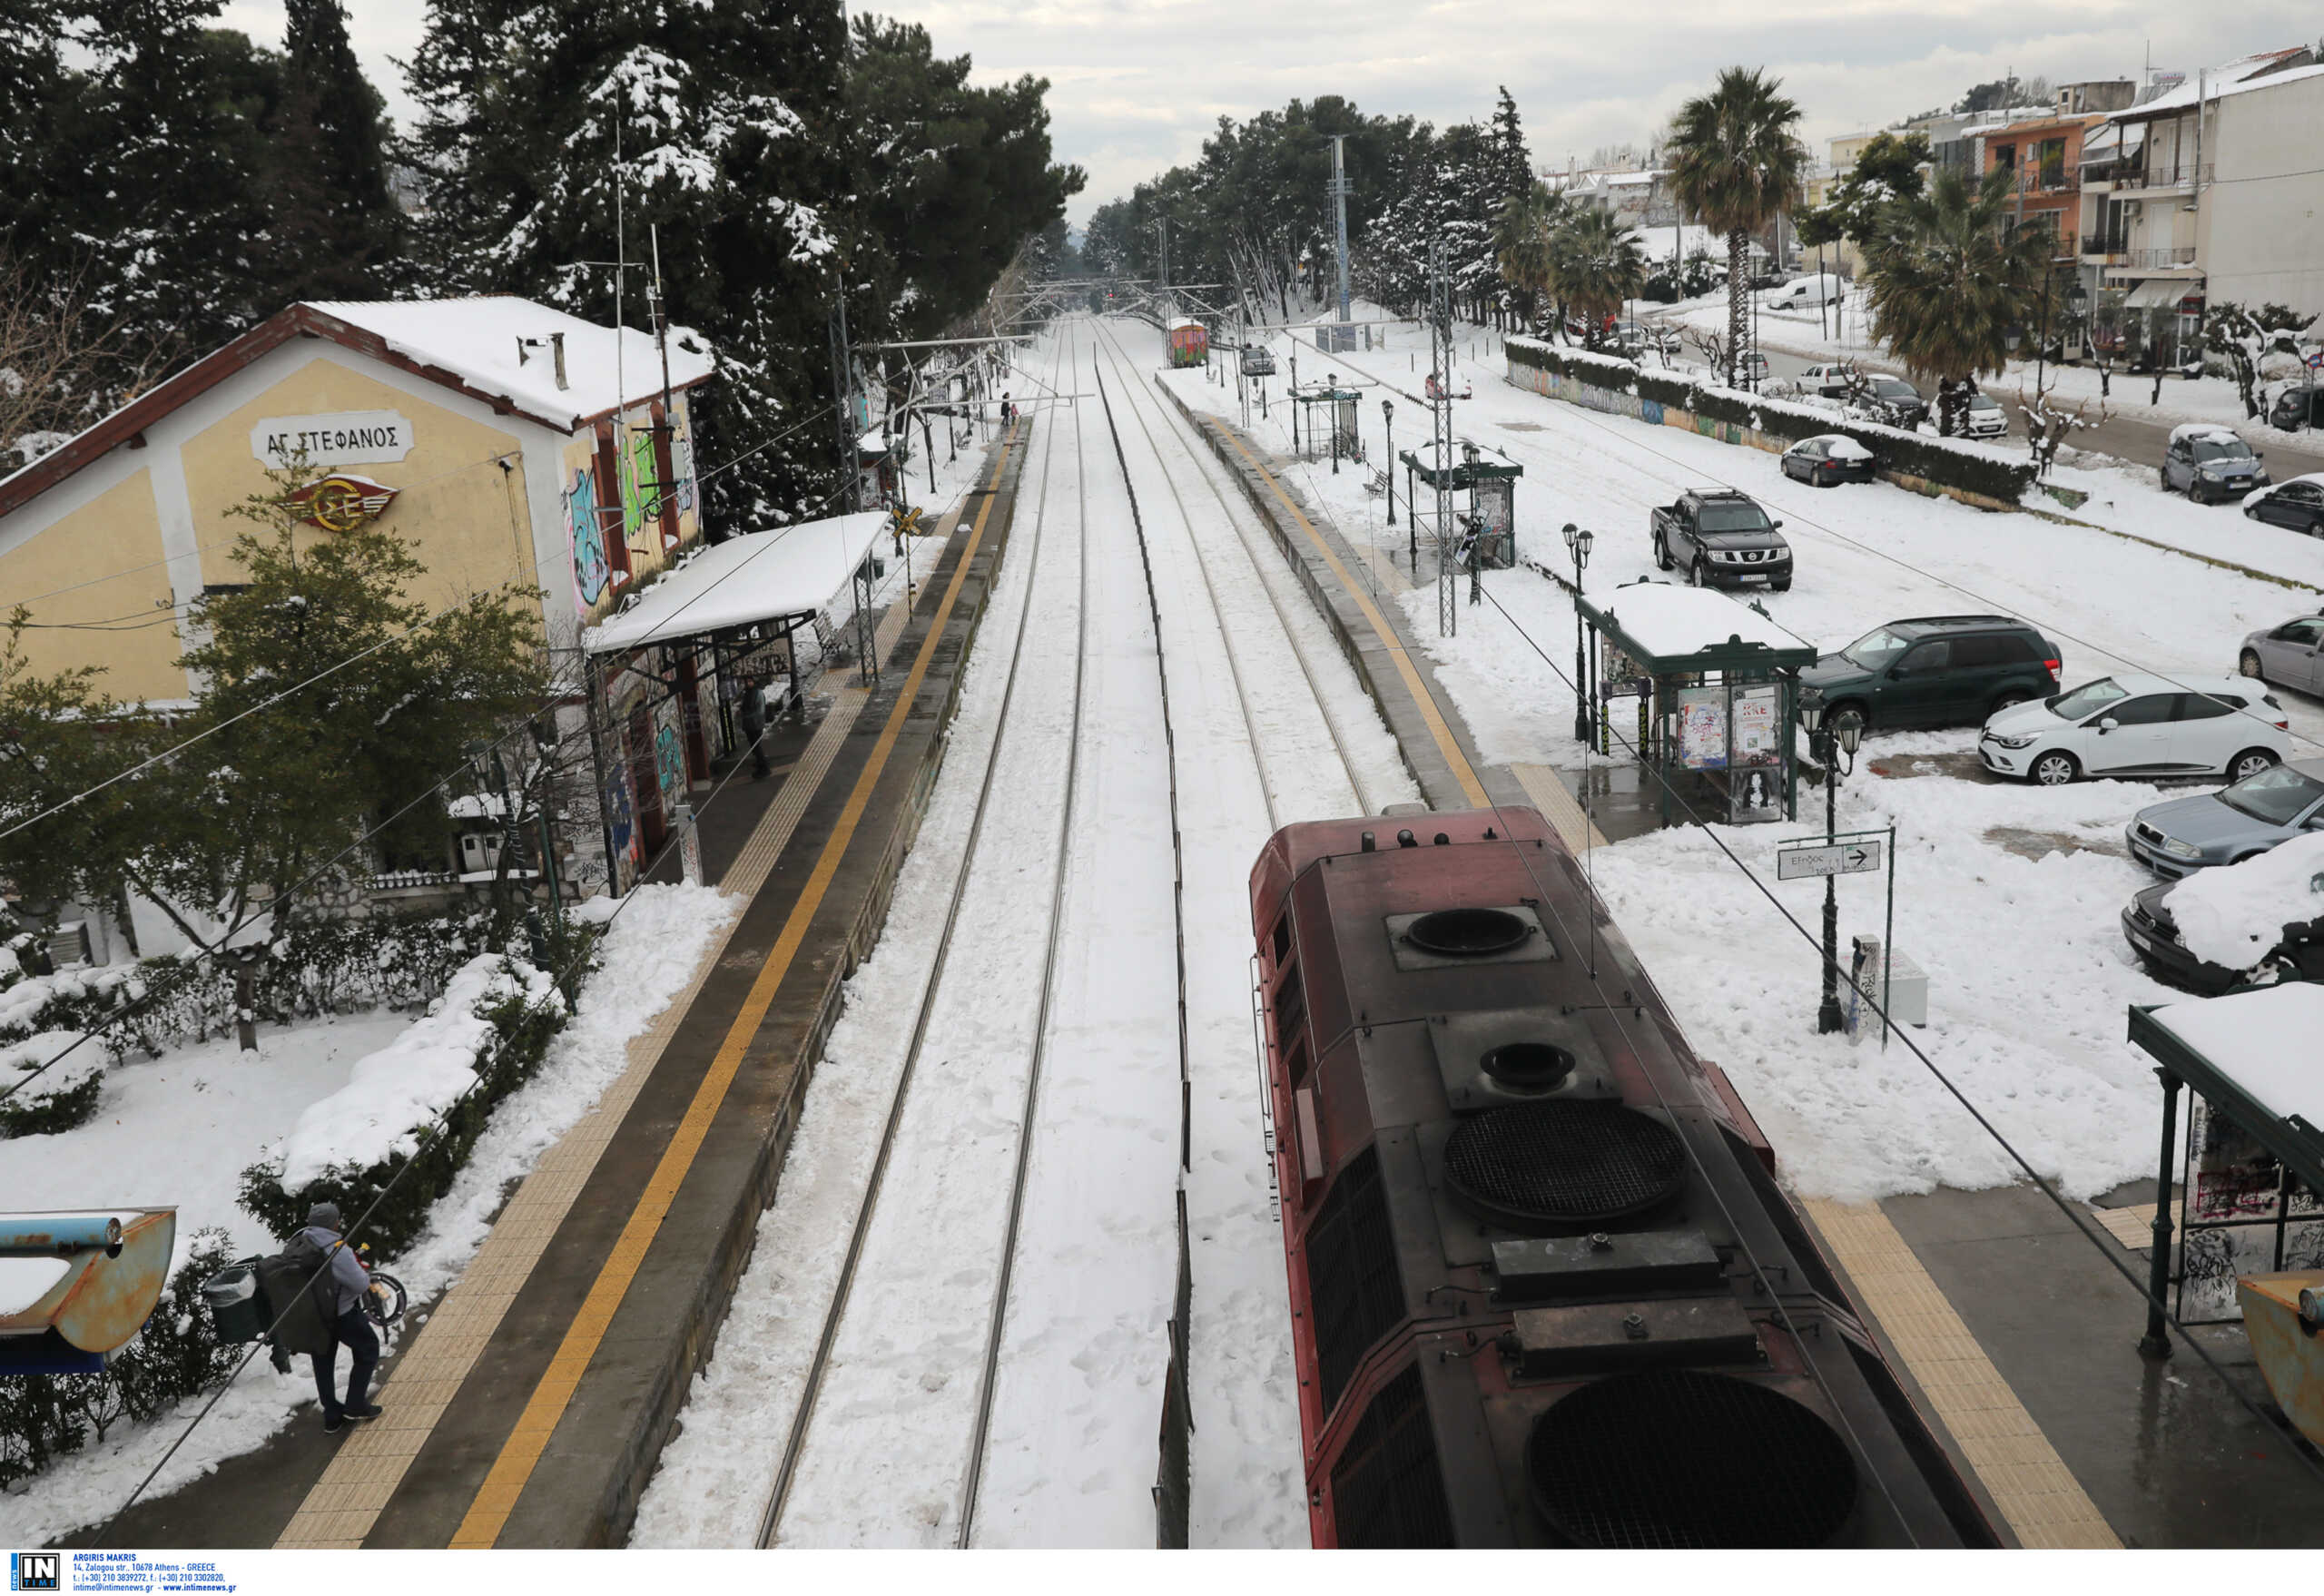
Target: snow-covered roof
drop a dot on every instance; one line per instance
(2264, 1041)
(501, 345)
(2250, 74)
(760, 577)
(2187, 432)
(1668, 621)
(1179, 321)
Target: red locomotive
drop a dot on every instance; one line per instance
(1544, 1288)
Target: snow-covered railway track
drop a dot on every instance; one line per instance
(795, 1448)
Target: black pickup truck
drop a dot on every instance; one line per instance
(1723, 539)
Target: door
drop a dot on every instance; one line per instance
(2296, 505)
(2288, 654)
(2178, 465)
(1918, 687)
(2209, 732)
(1980, 667)
(2141, 737)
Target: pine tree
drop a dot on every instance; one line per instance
(334, 231)
(1512, 165)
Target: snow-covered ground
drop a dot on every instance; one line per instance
(1071, 1454)
(181, 1129)
(2029, 976)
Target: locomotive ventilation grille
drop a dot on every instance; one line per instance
(1680, 1459)
(1537, 1165)
(1527, 1066)
(1467, 933)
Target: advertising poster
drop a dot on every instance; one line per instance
(1702, 727)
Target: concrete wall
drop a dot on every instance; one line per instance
(2263, 234)
(95, 529)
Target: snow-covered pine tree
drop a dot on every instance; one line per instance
(720, 122)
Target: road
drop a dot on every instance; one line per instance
(2130, 432)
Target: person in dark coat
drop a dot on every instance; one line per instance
(346, 1282)
(754, 719)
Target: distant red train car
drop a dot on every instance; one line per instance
(1544, 1288)
(1189, 341)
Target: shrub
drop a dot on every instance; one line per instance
(62, 1096)
(1954, 463)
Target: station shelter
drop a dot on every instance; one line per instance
(2250, 1180)
(1716, 683)
(1324, 421)
(1491, 519)
(667, 676)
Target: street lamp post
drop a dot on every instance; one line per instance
(1830, 743)
(1332, 398)
(1578, 542)
(1388, 421)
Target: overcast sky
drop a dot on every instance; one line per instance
(1137, 85)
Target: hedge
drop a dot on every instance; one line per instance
(1947, 463)
(405, 1187)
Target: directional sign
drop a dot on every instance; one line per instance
(1840, 859)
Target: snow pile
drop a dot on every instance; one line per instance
(27, 998)
(403, 1086)
(2234, 917)
(35, 1052)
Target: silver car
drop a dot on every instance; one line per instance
(2290, 655)
(2183, 835)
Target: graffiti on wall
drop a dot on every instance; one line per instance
(669, 755)
(682, 457)
(620, 822)
(591, 572)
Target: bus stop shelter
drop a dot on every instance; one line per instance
(1492, 488)
(2252, 1168)
(1717, 685)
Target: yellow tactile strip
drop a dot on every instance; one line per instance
(1558, 806)
(371, 1462)
(2044, 1506)
(2133, 1227)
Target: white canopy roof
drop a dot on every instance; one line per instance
(760, 577)
(2263, 1040)
(1668, 621)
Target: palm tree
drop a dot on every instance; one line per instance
(1950, 281)
(1595, 264)
(1521, 242)
(1735, 166)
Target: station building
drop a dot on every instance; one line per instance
(503, 440)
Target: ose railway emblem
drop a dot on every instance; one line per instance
(340, 502)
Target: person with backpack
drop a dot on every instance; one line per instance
(753, 715)
(340, 1282)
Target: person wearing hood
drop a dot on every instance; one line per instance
(343, 1284)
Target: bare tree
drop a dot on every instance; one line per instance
(53, 336)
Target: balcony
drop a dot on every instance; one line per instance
(2178, 257)
(2164, 179)
(2105, 251)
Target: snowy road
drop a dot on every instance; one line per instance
(1070, 956)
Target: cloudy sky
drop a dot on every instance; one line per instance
(1137, 83)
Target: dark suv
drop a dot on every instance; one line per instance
(1934, 671)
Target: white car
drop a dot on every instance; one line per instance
(1984, 417)
(2129, 724)
(1818, 288)
(1832, 379)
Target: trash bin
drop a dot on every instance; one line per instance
(237, 1307)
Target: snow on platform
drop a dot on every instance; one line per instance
(759, 576)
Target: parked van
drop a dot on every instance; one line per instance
(1805, 293)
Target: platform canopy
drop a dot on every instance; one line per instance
(2253, 1056)
(1667, 629)
(792, 570)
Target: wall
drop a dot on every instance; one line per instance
(597, 583)
(2264, 234)
(95, 529)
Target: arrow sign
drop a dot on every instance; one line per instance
(1840, 859)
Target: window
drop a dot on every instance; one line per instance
(2087, 700)
(612, 519)
(1876, 648)
(2153, 710)
(1928, 656)
(2202, 707)
(2222, 448)
(1728, 515)
(2301, 632)
(1970, 653)
(2303, 493)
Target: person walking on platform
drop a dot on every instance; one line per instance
(1007, 411)
(753, 718)
(346, 1281)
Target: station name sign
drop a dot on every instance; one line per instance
(343, 437)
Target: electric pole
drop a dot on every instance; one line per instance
(1439, 398)
(1340, 187)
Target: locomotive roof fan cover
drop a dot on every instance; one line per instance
(1533, 1167)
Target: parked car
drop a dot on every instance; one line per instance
(2297, 405)
(2182, 835)
(1628, 337)
(2277, 905)
(1895, 402)
(2208, 463)
(1829, 461)
(1805, 293)
(2136, 725)
(1830, 378)
(1723, 539)
(2297, 504)
(1984, 417)
(1932, 671)
(2290, 655)
(1751, 369)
